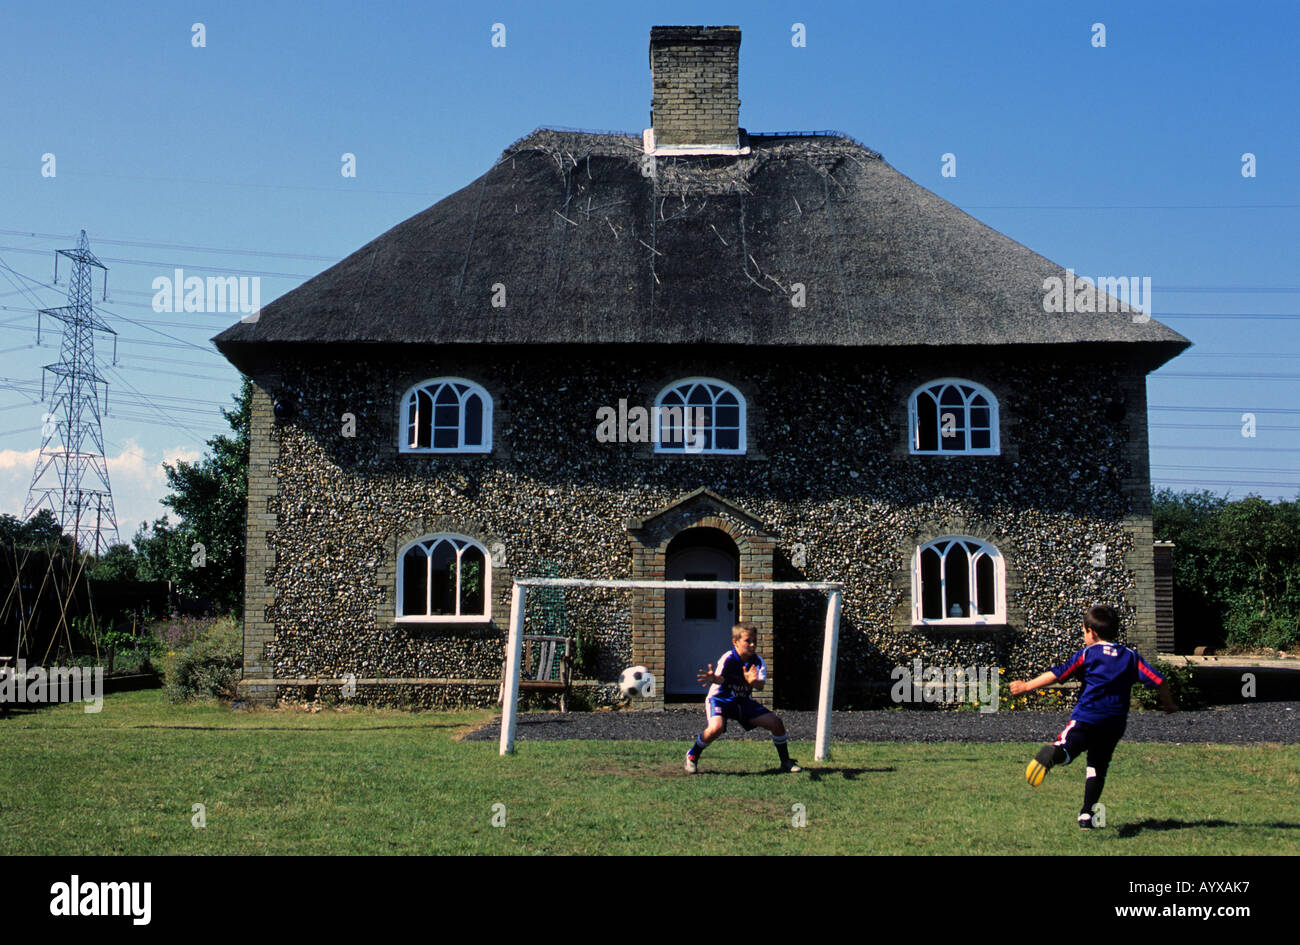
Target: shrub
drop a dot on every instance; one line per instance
(586, 652)
(1050, 698)
(175, 633)
(1247, 630)
(209, 665)
(1182, 686)
(580, 701)
(133, 645)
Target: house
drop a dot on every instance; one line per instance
(844, 378)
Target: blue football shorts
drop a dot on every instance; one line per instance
(1098, 739)
(740, 709)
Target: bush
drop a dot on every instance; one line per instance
(586, 653)
(175, 633)
(1247, 630)
(1051, 698)
(209, 665)
(128, 651)
(1182, 686)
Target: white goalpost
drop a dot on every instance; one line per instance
(830, 642)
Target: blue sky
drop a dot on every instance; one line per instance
(1117, 160)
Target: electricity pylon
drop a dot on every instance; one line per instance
(71, 476)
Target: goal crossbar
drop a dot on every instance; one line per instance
(830, 642)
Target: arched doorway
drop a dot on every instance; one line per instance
(697, 624)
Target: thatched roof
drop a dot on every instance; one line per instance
(706, 250)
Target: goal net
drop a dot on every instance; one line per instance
(558, 607)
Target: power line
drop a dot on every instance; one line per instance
(154, 244)
(173, 266)
(148, 295)
(192, 376)
(189, 326)
(9, 272)
(169, 360)
(1231, 469)
(1217, 426)
(1229, 288)
(167, 344)
(344, 189)
(1135, 206)
(1227, 409)
(157, 409)
(1225, 376)
(1228, 449)
(1238, 354)
(117, 414)
(1232, 482)
(1233, 317)
(136, 341)
(33, 385)
(182, 342)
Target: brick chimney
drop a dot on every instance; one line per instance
(696, 100)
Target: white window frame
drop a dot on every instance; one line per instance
(913, 415)
(460, 543)
(999, 616)
(433, 386)
(685, 449)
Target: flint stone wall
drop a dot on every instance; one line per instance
(827, 467)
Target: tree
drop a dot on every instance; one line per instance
(1200, 573)
(1266, 539)
(118, 563)
(203, 554)
(1236, 567)
(42, 531)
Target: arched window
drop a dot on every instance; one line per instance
(959, 581)
(952, 415)
(446, 415)
(699, 415)
(444, 578)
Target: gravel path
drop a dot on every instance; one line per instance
(1234, 724)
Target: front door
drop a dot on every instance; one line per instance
(698, 623)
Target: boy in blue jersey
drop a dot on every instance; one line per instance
(1108, 672)
(740, 671)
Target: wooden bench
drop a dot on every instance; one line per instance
(547, 666)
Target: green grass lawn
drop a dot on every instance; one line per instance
(124, 781)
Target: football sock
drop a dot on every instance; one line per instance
(1047, 757)
(1092, 789)
(698, 747)
(1050, 755)
(782, 751)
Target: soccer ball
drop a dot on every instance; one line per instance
(637, 681)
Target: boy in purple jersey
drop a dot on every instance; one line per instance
(1108, 672)
(740, 671)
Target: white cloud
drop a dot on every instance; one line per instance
(18, 459)
(16, 468)
(135, 474)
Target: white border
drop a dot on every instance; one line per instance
(485, 617)
(998, 617)
(742, 439)
(995, 421)
(403, 423)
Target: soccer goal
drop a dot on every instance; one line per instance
(548, 587)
